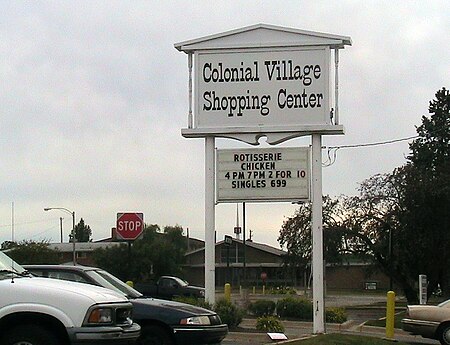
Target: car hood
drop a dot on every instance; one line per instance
(56, 287)
(151, 305)
(173, 305)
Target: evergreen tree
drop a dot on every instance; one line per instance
(83, 232)
(425, 185)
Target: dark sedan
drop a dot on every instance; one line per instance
(162, 322)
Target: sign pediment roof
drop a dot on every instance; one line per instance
(263, 36)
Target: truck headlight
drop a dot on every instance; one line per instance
(100, 316)
(196, 320)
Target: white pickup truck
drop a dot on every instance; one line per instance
(39, 311)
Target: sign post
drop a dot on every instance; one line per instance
(210, 221)
(317, 237)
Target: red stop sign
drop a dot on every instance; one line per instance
(129, 225)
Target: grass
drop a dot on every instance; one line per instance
(343, 339)
(382, 322)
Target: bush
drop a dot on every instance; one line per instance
(262, 308)
(282, 290)
(228, 312)
(269, 324)
(335, 315)
(298, 308)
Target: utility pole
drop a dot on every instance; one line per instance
(61, 228)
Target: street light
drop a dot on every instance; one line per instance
(73, 228)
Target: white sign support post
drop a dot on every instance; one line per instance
(317, 235)
(263, 81)
(210, 221)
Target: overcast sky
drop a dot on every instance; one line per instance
(93, 96)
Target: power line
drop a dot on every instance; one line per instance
(375, 143)
(30, 222)
(332, 150)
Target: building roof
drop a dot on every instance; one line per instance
(81, 246)
(255, 245)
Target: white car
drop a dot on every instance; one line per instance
(429, 321)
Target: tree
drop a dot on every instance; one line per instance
(295, 235)
(373, 220)
(400, 220)
(425, 184)
(7, 245)
(409, 209)
(30, 252)
(156, 253)
(83, 232)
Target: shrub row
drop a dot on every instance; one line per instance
(297, 308)
(262, 308)
(289, 307)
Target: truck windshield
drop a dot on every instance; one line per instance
(180, 281)
(9, 267)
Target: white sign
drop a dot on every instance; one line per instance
(272, 174)
(260, 88)
(423, 289)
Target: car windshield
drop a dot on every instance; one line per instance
(109, 281)
(445, 304)
(8, 267)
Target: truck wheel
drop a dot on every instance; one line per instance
(29, 335)
(154, 335)
(444, 334)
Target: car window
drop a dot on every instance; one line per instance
(65, 275)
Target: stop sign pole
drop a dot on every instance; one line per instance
(129, 227)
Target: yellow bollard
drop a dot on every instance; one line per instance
(254, 290)
(130, 283)
(390, 315)
(264, 289)
(227, 292)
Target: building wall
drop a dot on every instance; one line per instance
(355, 277)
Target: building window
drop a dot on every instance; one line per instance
(231, 253)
